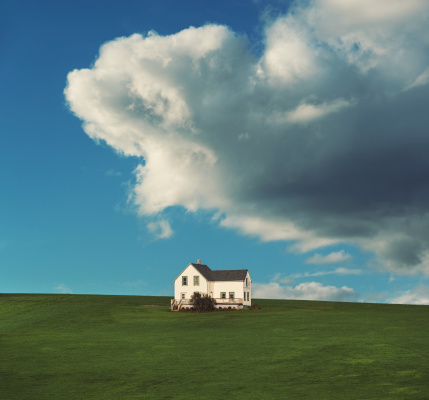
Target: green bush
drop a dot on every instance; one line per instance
(202, 303)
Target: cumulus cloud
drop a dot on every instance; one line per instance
(331, 258)
(303, 291)
(417, 295)
(320, 139)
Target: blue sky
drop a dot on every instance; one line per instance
(289, 139)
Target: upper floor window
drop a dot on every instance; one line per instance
(184, 281)
(247, 282)
(196, 280)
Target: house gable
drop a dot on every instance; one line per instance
(190, 270)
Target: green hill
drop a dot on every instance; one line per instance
(133, 347)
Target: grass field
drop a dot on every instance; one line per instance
(118, 347)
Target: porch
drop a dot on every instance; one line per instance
(177, 305)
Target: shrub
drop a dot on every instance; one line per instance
(202, 303)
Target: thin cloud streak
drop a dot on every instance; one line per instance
(331, 258)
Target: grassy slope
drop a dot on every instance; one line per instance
(112, 347)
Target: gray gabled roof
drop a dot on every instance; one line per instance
(221, 275)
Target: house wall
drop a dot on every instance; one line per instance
(248, 289)
(228, 286)
(190, 272)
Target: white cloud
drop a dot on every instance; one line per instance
(421, 80)
(417, 295)
(337, 271)
(307, 112)
(331, 258)
(290, 54)
(303, 291)
(313, 142)
(160, 229)
(62, 288)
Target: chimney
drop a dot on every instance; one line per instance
(199, 261)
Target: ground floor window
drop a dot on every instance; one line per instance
(248, 294)
(223, 295)
(231, 295)
(183, 296)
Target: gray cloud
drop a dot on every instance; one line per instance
(320, 140)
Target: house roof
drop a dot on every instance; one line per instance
(221, 275)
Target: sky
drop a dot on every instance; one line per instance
(287, 138)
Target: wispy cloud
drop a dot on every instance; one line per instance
(307, 112)
(421, 80)
(160, 229)
(112, 172)
(62, 288)
(303, 291)
(337, 271)
(331, 258)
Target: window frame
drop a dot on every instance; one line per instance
(231, 297)
(184, 280)
(196, 280)
(223, 295)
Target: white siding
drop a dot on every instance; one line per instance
(248, 289)
(227, 287)
(189, 272)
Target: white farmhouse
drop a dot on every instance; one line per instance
(230, 288)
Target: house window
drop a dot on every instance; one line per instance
(223, 295)
(196, 281)
(248, 293)
(184, 281)
(231, 295)
(183, 296)
(247, 283)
